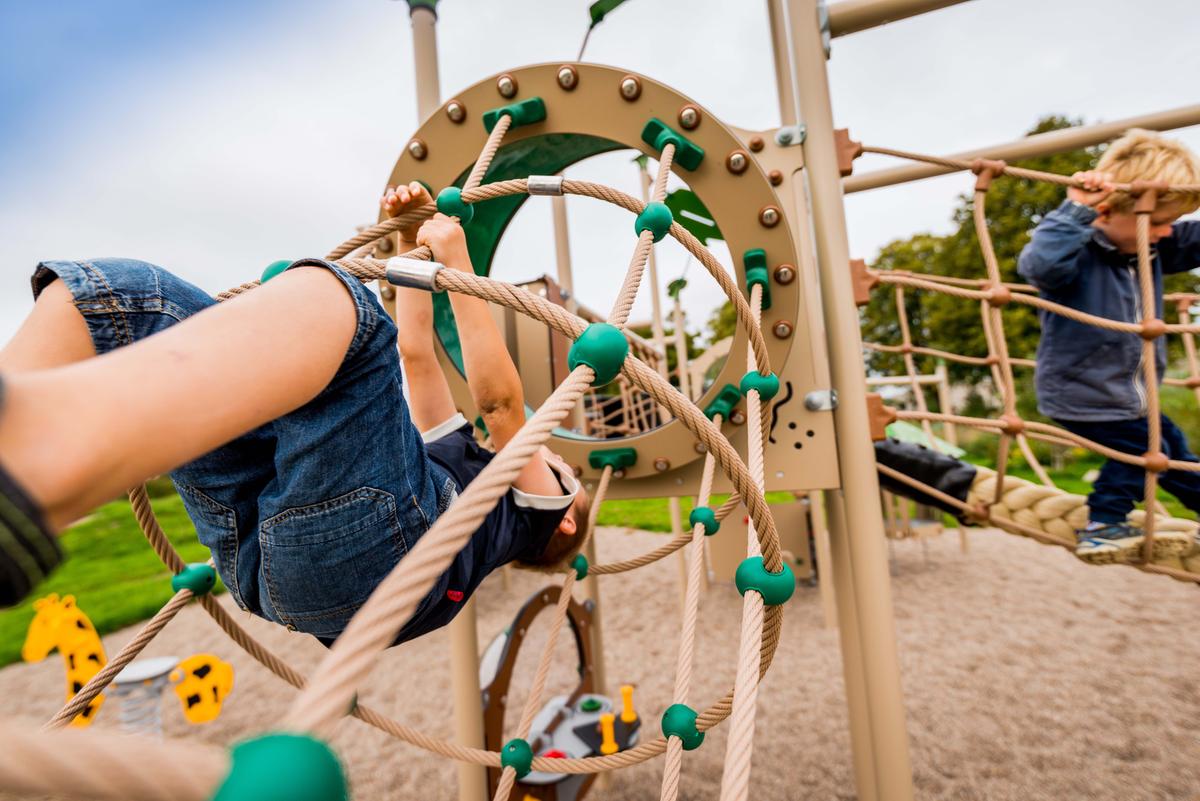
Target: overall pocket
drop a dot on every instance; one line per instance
(321, 562)
(216, 527)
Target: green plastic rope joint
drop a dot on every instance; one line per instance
(658, 135)
(450, 203)
(274, 269)
(601, 347)
(775, 588)
(482, 426)
(680, 721)
(767, 385)
(580, 563)
(283, 767)
(754, 261)
(723, 404)
(199, 578)
(524, 112)
(706, 517)
(655, 218)
(517, 754)
(617, 458)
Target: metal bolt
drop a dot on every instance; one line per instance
(506, 85)
(456, 111)
(689, 117)
(388, 292)
(417, 149)
(775, 177)
(384, 245)
(700, 447)
(756, 144)
(568, 78)
(631, 88)
(577, 470)
(737, 162)
(782, 329)
(737, 417)
(784, 136)
(662, 464)
(785, 274)
(620, 473)
(769, 216)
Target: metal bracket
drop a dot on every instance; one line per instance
(791, 135)
(821, 400)
(823, 23)
(413, 273)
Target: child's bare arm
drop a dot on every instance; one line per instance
(429, 398)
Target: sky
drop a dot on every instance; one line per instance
(216, 137)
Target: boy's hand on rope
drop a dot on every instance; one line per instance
(444, 236)
(1097, 186)
(399, 199)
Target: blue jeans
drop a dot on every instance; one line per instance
(1120, 486)
(307, 514)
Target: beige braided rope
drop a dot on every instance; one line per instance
(490, 147)
(641, 253)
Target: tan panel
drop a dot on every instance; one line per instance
(727, 548)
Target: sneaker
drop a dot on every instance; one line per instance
(1121, 543)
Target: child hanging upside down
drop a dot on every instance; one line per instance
(1084, 255)
(281, 417)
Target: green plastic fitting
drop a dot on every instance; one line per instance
(199, 578)
(707, 517)
(775, 588)
(723, 404)
(680, 721)
(658, 135)
(274, 269)
(524, 112)
(517, 754)
(283, 767)
(601, 347)
(450, 203)
(767, 385)
(655, 218)
(482, 426)
(617, 458)
(754, 261)
(580, 563)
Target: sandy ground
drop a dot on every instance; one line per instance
(1027, 676)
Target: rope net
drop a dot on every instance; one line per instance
(1045, 513)
(136, 769)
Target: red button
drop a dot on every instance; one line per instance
(554, 753)
(454, 595)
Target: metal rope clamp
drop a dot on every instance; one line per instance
(545, 185)
(413, 273)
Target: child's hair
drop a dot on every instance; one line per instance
(1148, 156)
(561, 549)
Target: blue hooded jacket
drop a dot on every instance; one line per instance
(1085, 372)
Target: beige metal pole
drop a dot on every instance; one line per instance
(424, 32)
(820, 534)
(949, 430)
(1043, 144)
(868, 568)
(784, 86)
(852, 16)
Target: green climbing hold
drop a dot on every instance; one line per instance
(274, 269)
(775, 588)
(680, 721)
(755, 263)
(283, 767)
(723, 404)
(601, 347)
(450, 203)
(199, 578)
(616, 458)
(517, 755)
(767, 385)
(655, 218)
(658, 135)
(580, 563)
(590, 705)
(524, 112)
(707, 517)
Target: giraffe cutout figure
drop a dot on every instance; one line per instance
(59, 623)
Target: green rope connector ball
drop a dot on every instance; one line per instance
(517, 754)
(655, 218)
(707, 517)
(450, 203)
(274, 269)
(680, 721)
(601, 347)
(199, 578)
(580, 563)
(775, 588)
(283, 767)
(767, 385)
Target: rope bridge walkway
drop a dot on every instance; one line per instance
(296, 764)
(1043, 512)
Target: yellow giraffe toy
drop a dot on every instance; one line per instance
(61, 624)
